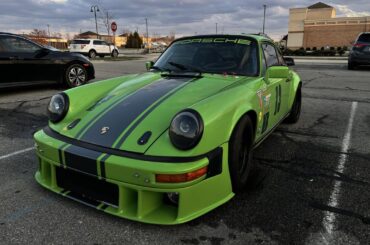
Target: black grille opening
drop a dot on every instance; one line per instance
(87, 187)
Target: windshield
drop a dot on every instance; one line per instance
(224, 55)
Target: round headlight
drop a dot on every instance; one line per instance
(186, 129)
(58, 107)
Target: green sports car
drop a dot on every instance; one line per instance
(173, 143)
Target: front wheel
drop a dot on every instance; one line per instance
(75, 76)
(241, 153)
(115, 54)
(295, 112)
(351, 66)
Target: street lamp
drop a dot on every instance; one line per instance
(264, 18)
(95, 8)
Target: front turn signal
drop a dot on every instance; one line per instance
(178, 178)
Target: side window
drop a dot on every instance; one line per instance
(280, 57)
(270, 55)
(264, 67)
(18, 45)
(98, 43)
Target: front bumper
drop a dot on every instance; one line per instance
(126, 187)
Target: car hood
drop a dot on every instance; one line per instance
(144, 105)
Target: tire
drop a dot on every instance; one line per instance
(115, 53)
(241, 154)
(92, 54)
(295, 112)
(75, 75)
(351, 66)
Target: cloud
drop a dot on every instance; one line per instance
(184, 17)
(346, 11)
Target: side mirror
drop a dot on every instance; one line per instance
(289, 61)
(149, 65)
(276, 72)
(42, 52)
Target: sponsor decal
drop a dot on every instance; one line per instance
(216, 40)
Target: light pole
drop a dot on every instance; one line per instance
(95, 8)
(216, 28)
(147, 33)
(48, 33)
(264, 18)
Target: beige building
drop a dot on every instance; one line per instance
(317, 26)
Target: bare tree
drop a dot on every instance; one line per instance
(107, 19)
(38, 33)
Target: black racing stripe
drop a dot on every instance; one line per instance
(60, 154)
(102, 166)
(132, 128)
(125, 112)
(279, 98)
(83, 199)
(81, 159)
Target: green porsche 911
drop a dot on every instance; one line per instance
(171, 144)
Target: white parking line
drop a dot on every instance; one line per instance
(329, 217)
(17, 153)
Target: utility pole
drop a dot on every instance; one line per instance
(147, 33)
(264, 18)
(48, 33)
(95, 8)
(216, 28)
(108, 27)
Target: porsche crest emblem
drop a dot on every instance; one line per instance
(104, 130)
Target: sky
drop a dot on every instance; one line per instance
(182, 17)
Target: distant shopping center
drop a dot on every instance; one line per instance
(318, 27)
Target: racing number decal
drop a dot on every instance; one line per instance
(278, 99)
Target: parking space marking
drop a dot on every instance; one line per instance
(329, 217)
(17, 153)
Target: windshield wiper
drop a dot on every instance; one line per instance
(185, 67)
(160, 69)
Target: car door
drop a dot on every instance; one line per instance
(32, 61)
(272, 97)
(7, 62)
(98, 46)
(106, 47)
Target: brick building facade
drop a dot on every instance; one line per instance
(317, 26)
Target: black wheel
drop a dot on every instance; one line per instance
(241, 153)
(115, 53)
(75, 76)
(92, 54)
(351, 66)
(295, 112)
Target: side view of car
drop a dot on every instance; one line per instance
(360, 52)
(93, 48)
(24, 62)
(173, 143)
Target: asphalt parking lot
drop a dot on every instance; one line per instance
(311, 185)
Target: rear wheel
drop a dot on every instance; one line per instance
(295, 112)
(75, 76)
(92, 54)
(241, 153)
(115, 53)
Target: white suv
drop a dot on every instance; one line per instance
(93, 47)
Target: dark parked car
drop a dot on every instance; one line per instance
(24, 62)
(360, 52)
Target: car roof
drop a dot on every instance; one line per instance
(258, 37)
